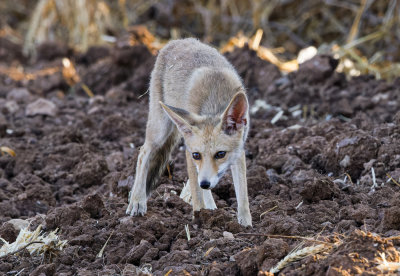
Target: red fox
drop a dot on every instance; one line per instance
(195, 93)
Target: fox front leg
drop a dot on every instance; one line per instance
(195, 191)
(240, 182)
(137, 196)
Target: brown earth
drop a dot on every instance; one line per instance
(311, 170)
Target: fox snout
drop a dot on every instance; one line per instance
(205, 184)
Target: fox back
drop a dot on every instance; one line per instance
(195, 77)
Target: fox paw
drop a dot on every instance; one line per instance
(245, 221)
(137, 207)
(244, 218)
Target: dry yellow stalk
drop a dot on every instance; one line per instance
(300, 254)
(385, 266)
(35, 242)
(269, 210)
(354, 28)
(100, 254)
(82, 22)
(208, 251)
(7, 150)
(393, 180)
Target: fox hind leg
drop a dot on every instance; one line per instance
(151, 163)
(137, 196)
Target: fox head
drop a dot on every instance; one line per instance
(214, 142)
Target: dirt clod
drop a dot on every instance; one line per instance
(94, 205)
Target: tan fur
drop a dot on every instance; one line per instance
(195, 93)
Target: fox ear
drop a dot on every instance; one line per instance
(234, 116)
(177, 116)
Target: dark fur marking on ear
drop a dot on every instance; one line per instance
(235, 115)
(181, 112)
(183, 119)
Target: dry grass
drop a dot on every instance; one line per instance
(72, 78)
(359, 33)
(263, 52)
(36, 242)
(300, 254)
(269, 210)
(187, 232)
(101, 252)
(208, 251)
(392, 179)
(286, 237)
(80, 23)
(385, 261)
(4, 150)
(386, 266)
(185, 193)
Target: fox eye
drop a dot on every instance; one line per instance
(196, 155)
(220, 154)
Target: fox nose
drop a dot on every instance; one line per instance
(204, 184)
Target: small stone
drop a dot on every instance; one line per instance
(345, 162)
(41, 107)
(228, 235)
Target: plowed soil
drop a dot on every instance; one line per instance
(322, 169)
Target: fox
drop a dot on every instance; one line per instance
(197, 95)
